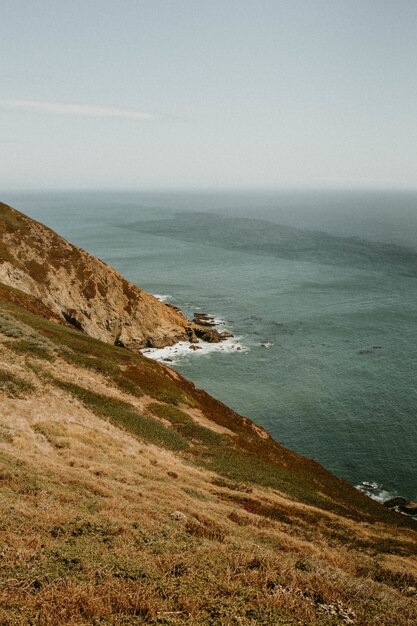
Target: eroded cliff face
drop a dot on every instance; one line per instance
(84, 291)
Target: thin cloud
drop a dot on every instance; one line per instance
(78, 110)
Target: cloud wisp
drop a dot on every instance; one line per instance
(78, 110)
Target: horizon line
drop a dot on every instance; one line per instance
(223, 189)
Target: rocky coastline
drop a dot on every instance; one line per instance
(402, 505)
(205, 328)
(396, 504)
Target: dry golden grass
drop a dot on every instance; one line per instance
(101, 527)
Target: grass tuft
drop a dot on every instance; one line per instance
(124, 415)
(31, 348)
(186, 426)
(13, 386)
(53, 433)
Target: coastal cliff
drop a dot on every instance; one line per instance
(129, 496)
(86, 292)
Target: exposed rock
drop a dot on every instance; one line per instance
(402, 505)
(398, 501)
(192, 336)
(86, 292)
(176, 309)
(179, 516)
(208, 334)
(204, 319)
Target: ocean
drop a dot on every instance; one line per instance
(319, 289)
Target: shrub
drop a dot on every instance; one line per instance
(171, 413)
(37, 349)
(52, 431)
(127, 386)
(205, 531)
(99, 365)
(223, 482)
(123, 414)
(10, 327)
(13, 386)
(185, 425)
(201, 434)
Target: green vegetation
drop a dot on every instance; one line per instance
(99, 531)
(13, 386)
(171, 395)
(222, 482)
(98, 535)
(10, 327)
(6, 434)
(127, 386)
(185, 425)
(31, 348)
(203, 435)
(242, 467)
(243, 458)
(124, 415)
(171, 413)
(53, 432)
(101, 366)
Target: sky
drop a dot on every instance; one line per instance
(208, 94)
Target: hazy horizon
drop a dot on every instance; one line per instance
(236, 94)
(208, 190)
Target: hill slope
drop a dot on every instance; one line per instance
(131, 497)
(84, 291)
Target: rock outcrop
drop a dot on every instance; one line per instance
(402, 505)
(84, 291)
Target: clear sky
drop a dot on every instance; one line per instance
(208, 93)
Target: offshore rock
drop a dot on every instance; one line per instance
(208, 334)
(204, 319)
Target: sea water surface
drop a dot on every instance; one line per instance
(319, 289)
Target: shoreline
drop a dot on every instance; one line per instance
(391, 500)
(182, 349)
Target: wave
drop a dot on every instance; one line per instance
(162, 297)
(184, 349)
(376, 491)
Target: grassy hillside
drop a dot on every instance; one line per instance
(131, 497)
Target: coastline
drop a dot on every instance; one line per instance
(182, 349)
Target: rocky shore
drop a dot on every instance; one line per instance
(397, 504)
(402, 505)
(206, 328)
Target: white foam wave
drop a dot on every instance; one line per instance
(183, 349)
(375, 491)
(163, 297)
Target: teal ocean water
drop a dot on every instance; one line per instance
(319, 287)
